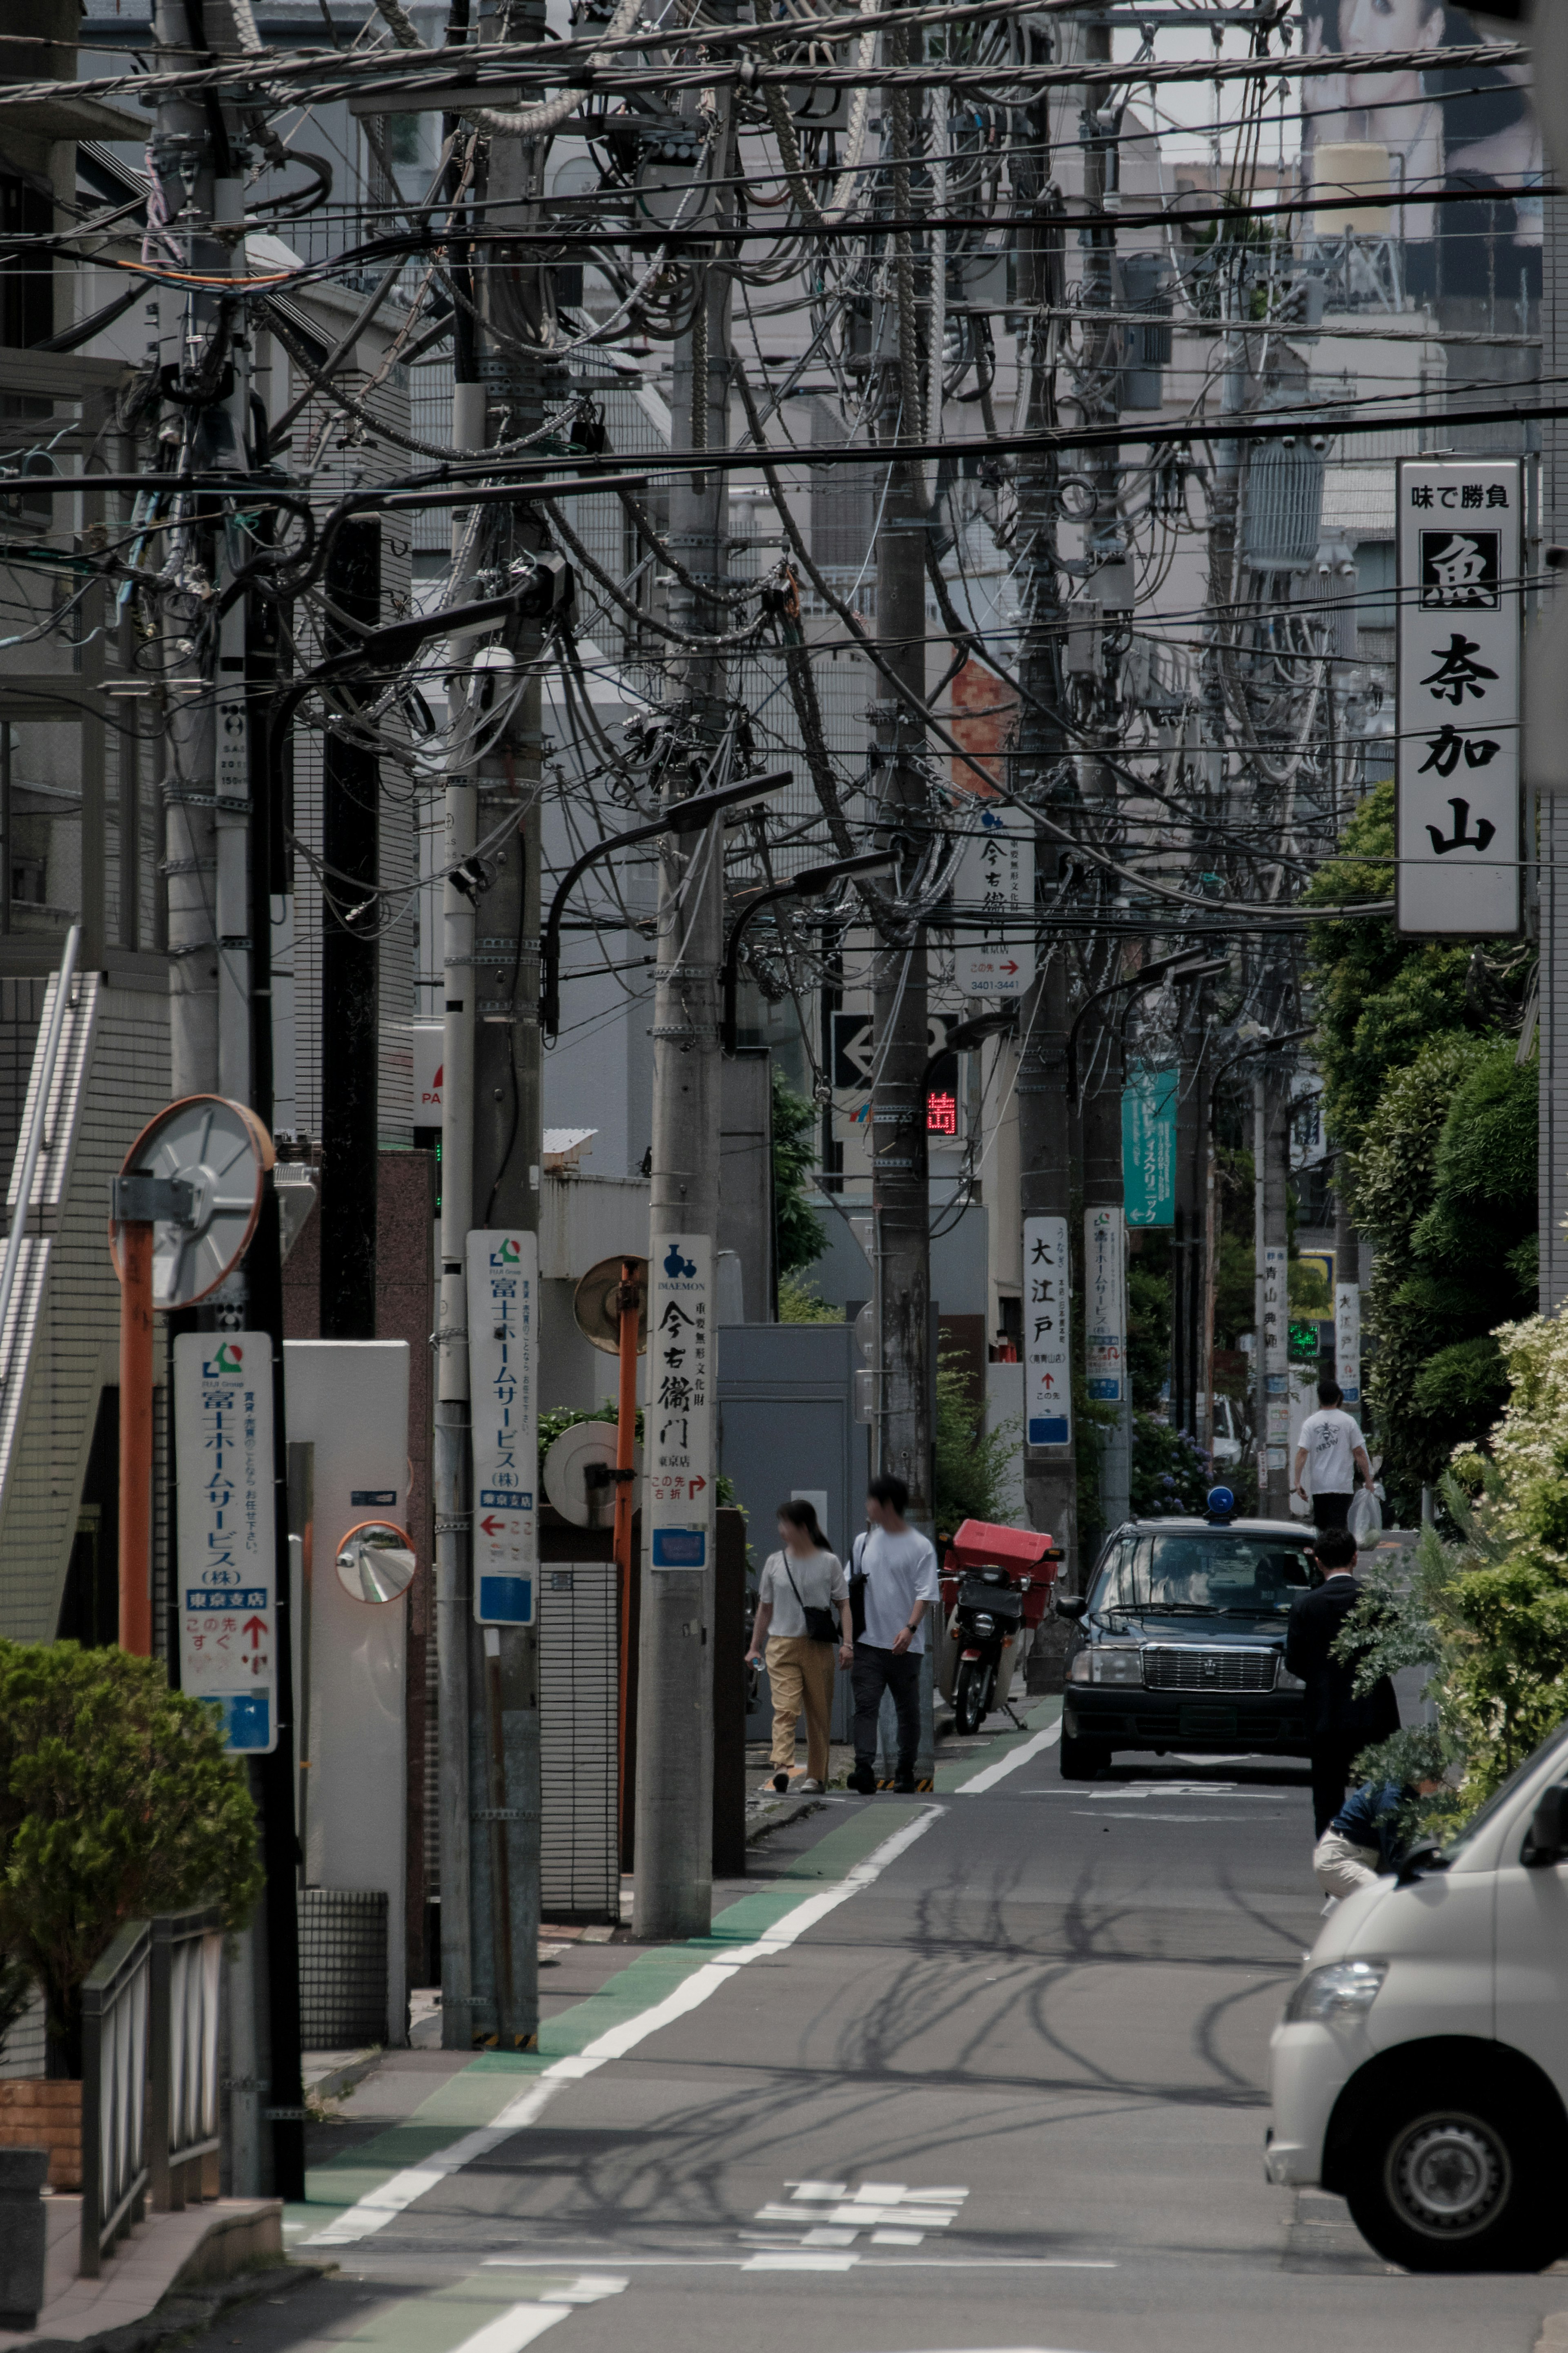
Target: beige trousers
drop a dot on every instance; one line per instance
(800, 1675)
(1342, 1866)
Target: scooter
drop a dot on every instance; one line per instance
(985, 1624)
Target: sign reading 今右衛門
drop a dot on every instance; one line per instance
(503, 1328)
(678, 1416)
(1458, 837)
(227, 1567)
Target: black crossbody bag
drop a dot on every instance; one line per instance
(821, 1625)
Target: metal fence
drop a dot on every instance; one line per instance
(182, 2078)
(115, 2000)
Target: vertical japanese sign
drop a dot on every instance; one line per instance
(1458, 695)
(678, 1416)
(1048, 1333)
(227, 1567)
(995, 880)
(1276, 1340)
(1347, 1340)
(503, 1342)
(1105, 1302)
(1149, 1146)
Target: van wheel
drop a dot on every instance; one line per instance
(1457, 2184)
(1081, 1760)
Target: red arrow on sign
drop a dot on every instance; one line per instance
(256, 1627)
(1009, 966)
(694, 1487)
(493, 1528)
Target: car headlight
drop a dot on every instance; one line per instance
(1285, 1681)
(1337, 1994)
(1080, 1668)
(1118, 1663)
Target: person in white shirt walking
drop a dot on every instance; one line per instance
(803, 1612)
(1332, 1440)
(896, 1570)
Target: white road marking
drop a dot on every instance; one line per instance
(868, 2263)
(1086, 1817)
(794, 2262)
(1023, 1755)
(514, 2330)
(377, 2208)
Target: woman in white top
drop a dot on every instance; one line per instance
(801, 1598)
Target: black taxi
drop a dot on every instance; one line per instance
(1179, 1642)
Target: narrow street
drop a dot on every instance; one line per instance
(1003, 2089)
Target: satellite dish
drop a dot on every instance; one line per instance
(376, 1561)
(595, 1305)
(224, 1154)
(578, 1473)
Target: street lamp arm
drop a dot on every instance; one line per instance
(1181, 963)
(683, 817)
(1003, 1022)
(809, 879)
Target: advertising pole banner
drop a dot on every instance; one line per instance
(1347, 1340)
(1149, 1146)
(679, 1414)
(227, 1564)
(503, 1349)
(1105, 1304)
(1276, 1337)
(1458, 837)
(1048, 1333)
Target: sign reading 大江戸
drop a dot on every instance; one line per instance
(678, 1416)
(226, 1569)
(503, 1331)
(1105, 1304)
(1048, 1333)
(1458, 839)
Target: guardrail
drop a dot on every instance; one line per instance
(115, 2001)
(182, 2066)
(150, 2076)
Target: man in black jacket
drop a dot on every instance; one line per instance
(1339, 1723)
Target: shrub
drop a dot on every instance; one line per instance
(1171, 1472)
(116, 1799)
(973, 1464)
(800, 1301)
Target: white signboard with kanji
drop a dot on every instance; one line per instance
(1347, 1341)
(1458, 696)
(1105, 1304)
(679, 1415)
(1048, 1333)
(1276, 1338)
(503, 1338)
(995, 880)
(226, 1533)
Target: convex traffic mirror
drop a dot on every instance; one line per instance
(376, 1561)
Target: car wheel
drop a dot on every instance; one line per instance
(1460, 2184)
(1082, 1759)
(966, 1697)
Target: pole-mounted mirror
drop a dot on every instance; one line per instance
(376, 1561)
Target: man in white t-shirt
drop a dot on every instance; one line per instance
(1334, 1444)
(898, 1566)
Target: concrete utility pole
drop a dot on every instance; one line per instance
(350, 830)
(1271, 1406)
(900, 1193)
(674, 1810)
(1101, 1058)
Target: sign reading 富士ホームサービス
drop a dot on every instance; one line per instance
(503, 1331)
(1105, 1304)
(227, 1562)
(1458, 837)
(680, 1413)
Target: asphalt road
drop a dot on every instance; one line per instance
(1003, 2090)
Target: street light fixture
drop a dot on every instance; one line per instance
(683, 817)
(1187, 965)
(803, 885)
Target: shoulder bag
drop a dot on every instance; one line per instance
(821, 1625)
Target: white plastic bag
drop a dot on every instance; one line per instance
(1364, 1518)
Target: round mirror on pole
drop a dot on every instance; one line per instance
(220, 1154)
(376, 1561)
(595, 1304)
(580, 1473)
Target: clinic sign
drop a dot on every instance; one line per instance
(226, 1534)
(1048, 1333)
(1458, 840)
(503, 1377)
(1149, 1146)
(678, 1416)
(1105, 1304)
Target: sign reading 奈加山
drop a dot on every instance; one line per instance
(1047, 1334)
(503, 1331)
(1458, 839)
(1105, 1302)
(227, 1562)
(678, 1416)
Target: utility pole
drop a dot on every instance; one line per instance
(1271, 1406)
(351, 916)
(674, 1807)
(900, 1193)
(1100, 1057)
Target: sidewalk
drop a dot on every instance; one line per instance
(166, 2253)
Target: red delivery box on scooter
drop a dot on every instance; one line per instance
(1030, 1559)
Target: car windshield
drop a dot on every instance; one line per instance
(1500, 1797)
(1216, 1572)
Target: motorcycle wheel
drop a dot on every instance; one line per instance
(968, 1695)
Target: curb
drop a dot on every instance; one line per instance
(344, 2079)
(787, 1809)
(184, 2314)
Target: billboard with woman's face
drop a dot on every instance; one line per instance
(1450, 129)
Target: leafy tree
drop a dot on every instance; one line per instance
(800, 1301)
(116, 1799)
(973, 1464)
(1149, 1319)
(799, 1237)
